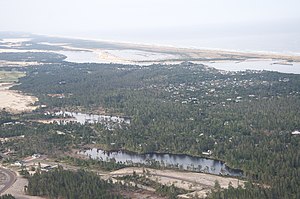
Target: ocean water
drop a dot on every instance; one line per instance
(283, 43)
(279, 36)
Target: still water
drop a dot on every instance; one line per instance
(270, 65)
(83, 118)
(251, 64)
(185, 162)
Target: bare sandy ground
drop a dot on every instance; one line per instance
(15, 101)
(198, 183)
(130, 53)
(207, 53)
(17, 189)
(151, 54)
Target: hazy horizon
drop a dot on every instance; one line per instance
(236, 25)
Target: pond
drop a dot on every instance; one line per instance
(109, 121)
(184, 162)
(83, 118)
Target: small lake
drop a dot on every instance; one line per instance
(184, 162)
(83, 118)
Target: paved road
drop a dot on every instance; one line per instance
(10, 179)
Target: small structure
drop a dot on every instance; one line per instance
(60, 133)
(296, 133)
(46, 168)
(209, 152)
(36, 155)
(19, 163)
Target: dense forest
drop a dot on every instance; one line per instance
(249, 192)
(27, 138)
(32, 56)
(60, 183)
(7, 196)
(244, 118)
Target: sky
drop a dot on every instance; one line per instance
(152, 21)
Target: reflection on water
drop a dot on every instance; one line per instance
(110, 122)
(271, 65)
(83, 118)
(81, 56)
(175, 161)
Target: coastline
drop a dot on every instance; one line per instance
(171, 46)
(164, 48)
(184, 53)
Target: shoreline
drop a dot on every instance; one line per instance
(188, 52)
(180, 47)
(78, 152)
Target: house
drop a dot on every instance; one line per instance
(36, 155)
(19, 163)
(209, 152)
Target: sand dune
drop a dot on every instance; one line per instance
(14, 101)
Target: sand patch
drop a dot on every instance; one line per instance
(14, 101)
(199, 184)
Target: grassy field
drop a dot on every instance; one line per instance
(10, 76)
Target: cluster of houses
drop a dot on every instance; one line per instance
(32, 166)
(193, 92)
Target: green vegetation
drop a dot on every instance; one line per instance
(163, 190)
(70, 185)
(45, 57)
(244, 118)
(92, 164)
(27, 138)
(7, 196)
(249, 192)
(10, 76)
